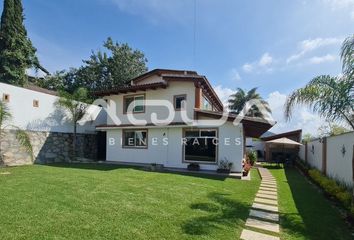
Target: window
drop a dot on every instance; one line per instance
(35, 103)
(137, 101)
(6, 97)
(178, 99)
(135, 138)
(206, 105)
(200, 145)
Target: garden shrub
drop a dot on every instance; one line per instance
(345, 198)
(331, 187)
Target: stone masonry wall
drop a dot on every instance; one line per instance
(48, 147)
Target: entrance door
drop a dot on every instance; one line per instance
(101, 145)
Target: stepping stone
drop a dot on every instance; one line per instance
(267, 193)
(264, 215)
(268, 185)
(265, 207)
(251, 235)
(266, 181)
(268, 226)
(262, 195)
(268, 189)
(266, 201)
(269, 180)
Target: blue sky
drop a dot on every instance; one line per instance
(275, 45)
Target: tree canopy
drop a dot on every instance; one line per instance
(238, 101)
(103, 70)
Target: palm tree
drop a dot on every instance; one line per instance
(75, 104)
(238, 101)
(21, 135)
(332, 97)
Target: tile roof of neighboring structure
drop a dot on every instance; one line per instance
(41, 90)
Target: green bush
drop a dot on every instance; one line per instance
(331, 187)
(345, 198)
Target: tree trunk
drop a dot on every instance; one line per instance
(74, 142)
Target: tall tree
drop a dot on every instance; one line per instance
(75, 105)
(103, 70)
(238, 101)
(16, 50)
(332, 97)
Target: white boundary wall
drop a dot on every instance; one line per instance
(314, 154)
(339, 156)
(339, 165)
(46, 117)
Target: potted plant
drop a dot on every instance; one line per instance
(246, 168)
(251, 157)
(156, 167)
(193, 167)
(224, 166)
(246, 165)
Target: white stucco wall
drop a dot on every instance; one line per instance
(302, 152)
(46, 117)
(314, 158)
(172, 154)
(174, 88)
(339, 165)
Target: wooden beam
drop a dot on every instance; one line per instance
(198, 98)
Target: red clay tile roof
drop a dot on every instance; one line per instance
(130, 88)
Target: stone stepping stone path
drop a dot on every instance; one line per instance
(247, 234)
(263, 220)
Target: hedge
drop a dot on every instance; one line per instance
(329, 186)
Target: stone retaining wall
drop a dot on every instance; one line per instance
(48, 147)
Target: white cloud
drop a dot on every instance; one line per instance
(310, 45)
(235, 75)
(263, 64)
(224, 93)
(247, 67)
(322, 59)
(302, 117)
(265, 60)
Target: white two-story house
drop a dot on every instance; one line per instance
(170, 117)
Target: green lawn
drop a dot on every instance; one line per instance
(305, 213)
(110, 202)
